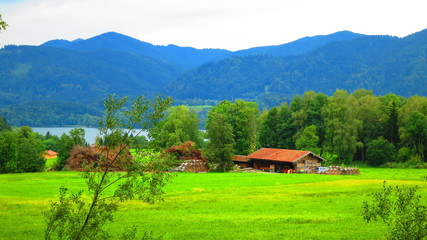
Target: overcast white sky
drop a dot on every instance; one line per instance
(228, 24)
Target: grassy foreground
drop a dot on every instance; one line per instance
(221, 205)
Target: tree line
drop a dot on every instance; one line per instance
(343, 128)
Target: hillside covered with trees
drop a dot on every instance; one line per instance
(49, 77)
(380, 63)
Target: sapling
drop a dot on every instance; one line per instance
(84, 214)
(401, 211)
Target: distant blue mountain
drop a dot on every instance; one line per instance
(299, 46)
(186, 57)
(189, 57)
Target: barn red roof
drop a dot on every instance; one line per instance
(50, 152)
(240, 158)
(281, 155)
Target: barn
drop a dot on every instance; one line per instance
(49, 154)
(283, 160)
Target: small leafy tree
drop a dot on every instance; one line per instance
(400, 209)
(76, 216)
(66, 142)
(29, 151)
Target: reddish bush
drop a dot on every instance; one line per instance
(116, 159)
(186, 151)
(191, 158)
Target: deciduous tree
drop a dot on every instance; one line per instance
(342, 126)
(308, 140)
(242, 116)
(181, 125)
(220, 147)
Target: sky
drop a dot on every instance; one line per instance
(226, 24)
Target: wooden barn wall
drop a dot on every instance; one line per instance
(307, 163)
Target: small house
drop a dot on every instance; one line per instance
(49, 154)
(283, 160)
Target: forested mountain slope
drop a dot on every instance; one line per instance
(380, 63)
(47, 73)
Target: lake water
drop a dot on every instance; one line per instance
(90, 133)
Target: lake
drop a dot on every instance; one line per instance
(90, 133)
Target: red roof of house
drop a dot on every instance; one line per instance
(50, 152)
(240, 158)
(281, 155)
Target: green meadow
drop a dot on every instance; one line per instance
(221, 205)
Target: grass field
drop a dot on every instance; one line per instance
(221, 205)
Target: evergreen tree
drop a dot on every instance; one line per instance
(392, 127)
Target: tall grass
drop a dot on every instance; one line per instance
(220, 205)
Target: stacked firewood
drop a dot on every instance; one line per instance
(335, 170)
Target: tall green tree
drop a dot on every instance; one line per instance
(242, 116)
(392, 123)
(415, 132)
(286, 128)
(341, 125)
(8, 151)
(369, 112)
(269, 132)
(414, 103)
(308, 140)
(181, 125)
(220, 147)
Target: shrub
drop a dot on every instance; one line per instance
(380, 151)
(400, 209)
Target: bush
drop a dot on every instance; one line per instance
(404, 154)
(380, 151)
(400, 209)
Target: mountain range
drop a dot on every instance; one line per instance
(86, 71)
